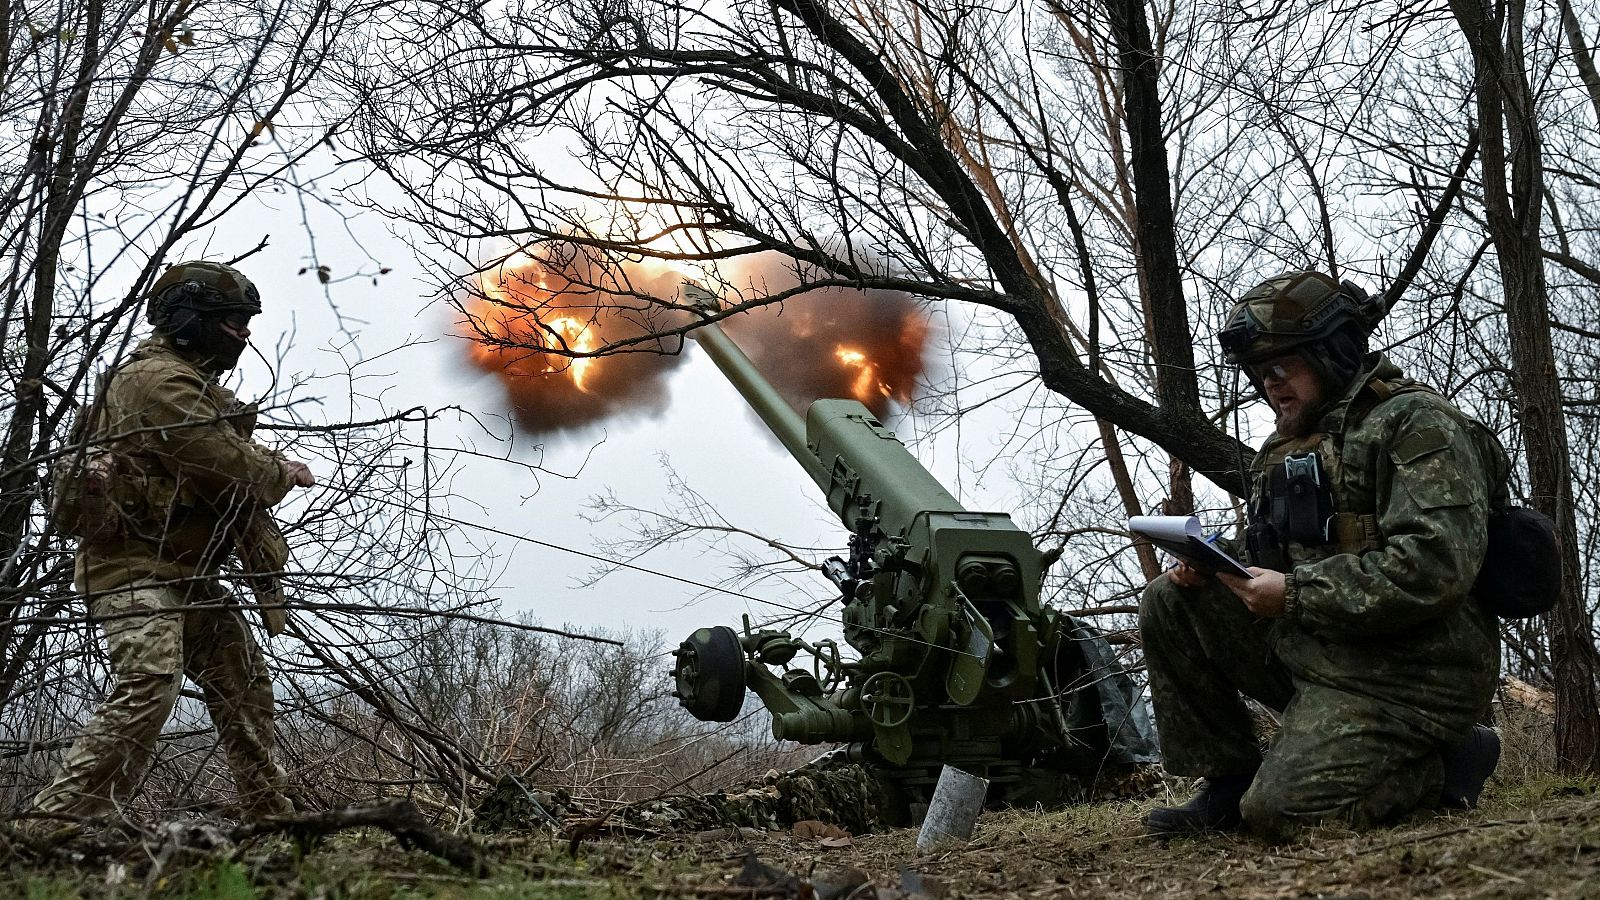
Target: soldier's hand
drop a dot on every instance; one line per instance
(1263, 594)
(1186, 576)
(298, 473)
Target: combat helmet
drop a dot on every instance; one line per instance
(202, 287)
(190, 305)
(1324, 320)
(1290, 310)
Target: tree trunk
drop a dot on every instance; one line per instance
(1148, 563)
(1581, 57)
(1161, 276)
(1176, 422)
(1510, 127)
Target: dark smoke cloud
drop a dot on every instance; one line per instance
(868, 345)
(798, 344)
(566, 297)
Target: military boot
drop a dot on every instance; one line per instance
(1468, 763)
(1215, 807)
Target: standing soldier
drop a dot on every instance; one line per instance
(1369, 515)
(183, 488)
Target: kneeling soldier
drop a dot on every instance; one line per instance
(1369, 509)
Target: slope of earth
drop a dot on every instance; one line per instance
(1533, 843)
(1545, 849)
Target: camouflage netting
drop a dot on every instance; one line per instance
(514, 806)
(845, 795)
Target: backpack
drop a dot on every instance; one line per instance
(1521, 573)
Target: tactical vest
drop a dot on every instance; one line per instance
(107, 488)
(1345, 512)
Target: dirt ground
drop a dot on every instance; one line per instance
(1552, 850)
(1513, 847)
(1534, 843)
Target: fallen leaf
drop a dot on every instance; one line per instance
(813, 829)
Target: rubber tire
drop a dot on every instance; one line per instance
(710, 674)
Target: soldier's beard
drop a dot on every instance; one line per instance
(1296, 423)
(1299, 415)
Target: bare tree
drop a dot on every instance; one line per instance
(1090, 183)
(145, 134)
(1513, 201)
(862, 143)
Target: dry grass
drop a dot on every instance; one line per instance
(1536, 835)
(1525, 717)
(1522, 843)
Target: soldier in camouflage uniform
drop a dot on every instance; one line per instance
(1369, 511)
(188, 483)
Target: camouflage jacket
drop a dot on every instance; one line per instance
(1393, 615)
(189, 476)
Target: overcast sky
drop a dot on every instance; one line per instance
(705, 430)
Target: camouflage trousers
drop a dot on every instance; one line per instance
(155, 636)
(1338, 755)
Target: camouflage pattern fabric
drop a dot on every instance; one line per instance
(150, 654)
(193, 479)
(195, 475)
(1381, 658)
(228, 289)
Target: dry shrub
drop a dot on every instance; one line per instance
(439, 722)
(1525, 717)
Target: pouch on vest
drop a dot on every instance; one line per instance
(82, 504)
(1521, 574)
(1301, 504)
(83, 482)
(1261, 541)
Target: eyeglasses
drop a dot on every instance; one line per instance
(1260, 372)
(238, 321)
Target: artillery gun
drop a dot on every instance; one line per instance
(957, 663)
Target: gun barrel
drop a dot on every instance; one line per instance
(775, 411)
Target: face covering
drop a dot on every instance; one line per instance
(202, 338)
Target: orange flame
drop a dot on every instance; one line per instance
(507, 338)
(530, 324)
(575, 335)
(868, 386)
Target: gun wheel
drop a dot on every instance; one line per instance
(710, 674)
(888, 699)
